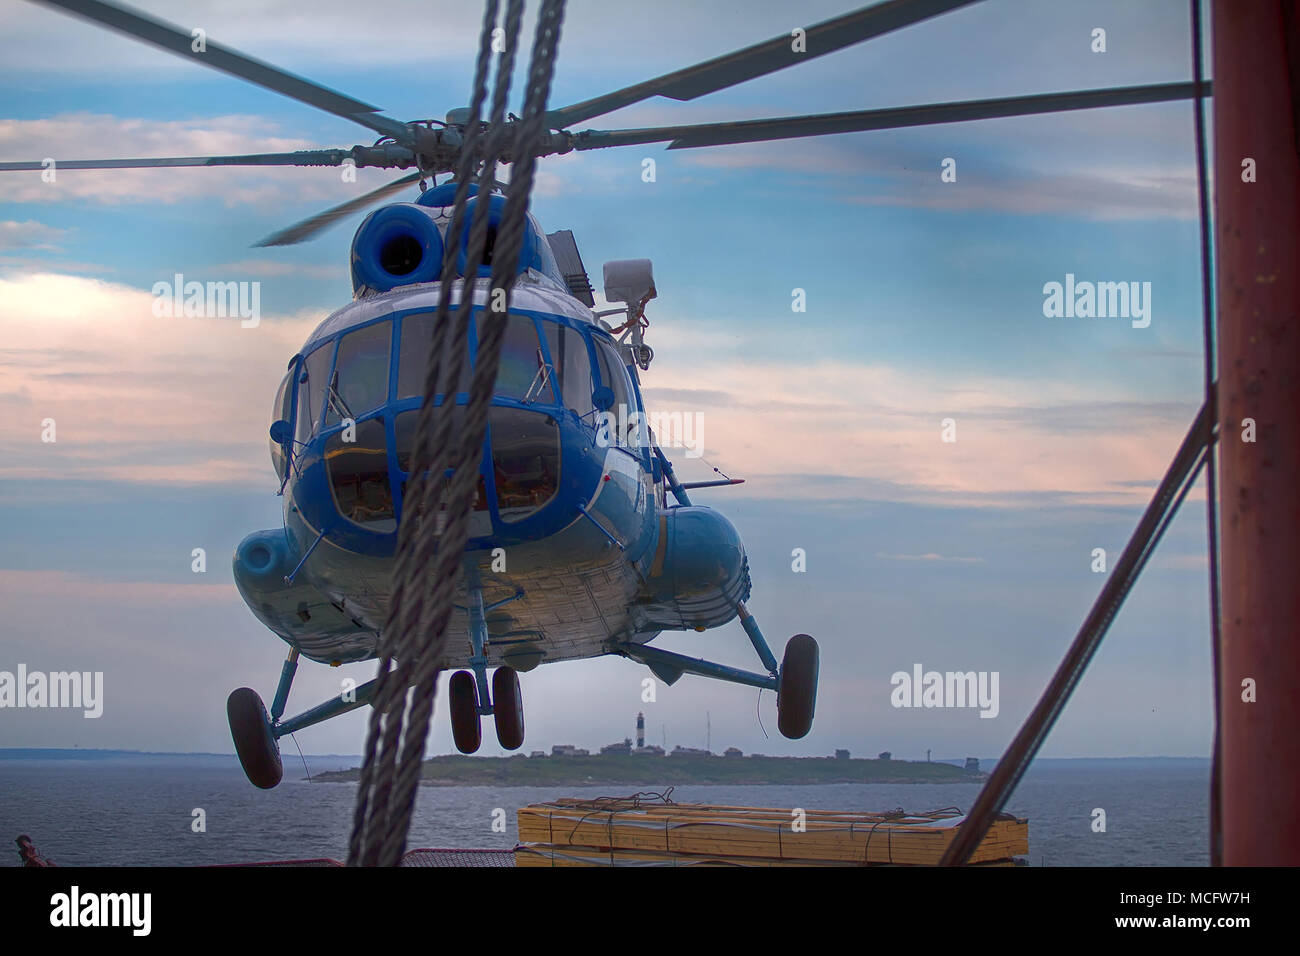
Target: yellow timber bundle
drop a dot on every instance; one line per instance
(632, 832)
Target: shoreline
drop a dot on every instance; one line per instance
(623, 770)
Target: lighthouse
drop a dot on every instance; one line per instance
(640, 731)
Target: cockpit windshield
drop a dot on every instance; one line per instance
(311, 388)
(413, 357)
(543, 363)
(572, 366)
(523, 373)
(359, 383)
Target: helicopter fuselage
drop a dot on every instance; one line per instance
(572, 538)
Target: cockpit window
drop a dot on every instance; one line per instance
(358, 473)
(413, 357)
(360, 380)
(311, 386)
(525, 460)
(569, 353)
(404, 427)
(283, 411)
(522, 374)
(613, 373)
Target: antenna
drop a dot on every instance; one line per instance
(708, 732)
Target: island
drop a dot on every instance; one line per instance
(637, 770)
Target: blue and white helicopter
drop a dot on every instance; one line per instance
(583, 542)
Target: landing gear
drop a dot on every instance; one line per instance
(250, 728)
(796, 691)
(466, 728)
(468, 692)
(508, 708)
(795, 681)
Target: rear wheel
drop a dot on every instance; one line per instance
(508, 708)
(466, 728)
(250, 728)
(796, 694)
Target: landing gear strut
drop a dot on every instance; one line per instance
(467, 693)
(795, 681)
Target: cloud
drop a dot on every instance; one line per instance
(29, 264)
(279, 270)
(134, 397)
(62, 585)
(831, 428)
(71, 136)
(28, 235)
(1130, 194)
(930, 556)
(163, 401)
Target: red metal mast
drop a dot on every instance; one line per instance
(1257, 222)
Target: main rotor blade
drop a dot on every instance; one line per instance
(794, 127)
(308, 228)
(181, 42)
(305, 157)
(761, 59)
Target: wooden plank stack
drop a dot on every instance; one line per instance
(632, 831)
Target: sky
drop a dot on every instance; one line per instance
(924, 302)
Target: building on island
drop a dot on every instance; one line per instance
(680, 751)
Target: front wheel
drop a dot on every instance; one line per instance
(508, 708)
(796, 692)
(466, 727)
(250, 728)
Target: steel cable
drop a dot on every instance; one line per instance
(386, 683)
(434, 533)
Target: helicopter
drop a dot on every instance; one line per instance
(583, 542)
